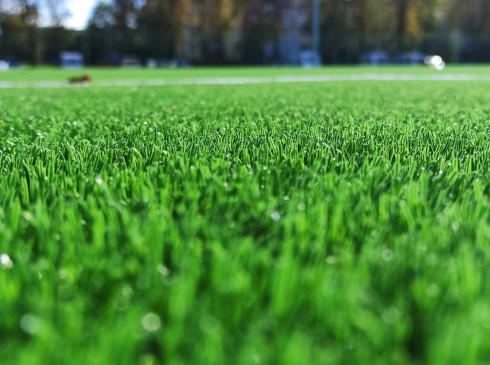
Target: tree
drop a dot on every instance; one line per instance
(125, 22)
(469, 23)
(99, 34)
(22, 36)
(57, 11)
(261, 28)
(207, 29)
(28, 12)
(102, 16)
(158, 27)
(340, 27)
(401, 22)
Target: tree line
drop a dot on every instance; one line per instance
(245, 31)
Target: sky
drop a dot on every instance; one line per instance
(80, 11)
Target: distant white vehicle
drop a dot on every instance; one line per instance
(435, 62)
(4, 65)
(375, 58)
(130, 62)
(71, 60)
(409, 58)
(151, 63)
(309, 59)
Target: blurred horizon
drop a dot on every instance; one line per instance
(248, 32)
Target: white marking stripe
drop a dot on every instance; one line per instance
(249, 80)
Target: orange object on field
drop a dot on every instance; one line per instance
(85, 79)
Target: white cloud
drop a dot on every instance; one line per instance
(80, 11)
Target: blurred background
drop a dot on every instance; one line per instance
(170, 33)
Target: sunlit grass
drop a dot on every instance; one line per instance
(292, 224)
(32, 74)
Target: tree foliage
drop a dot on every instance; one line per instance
(247, 31)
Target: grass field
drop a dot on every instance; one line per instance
(302, 223)
(100, 74)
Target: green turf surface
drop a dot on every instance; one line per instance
(297, 223)
(100, 74)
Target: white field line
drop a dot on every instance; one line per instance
(248, 80)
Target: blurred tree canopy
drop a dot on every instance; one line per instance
(246, 31)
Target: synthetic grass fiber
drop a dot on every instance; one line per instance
(306, 223)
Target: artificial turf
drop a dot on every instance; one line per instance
(305, 223)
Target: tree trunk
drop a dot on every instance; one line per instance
(401, 25)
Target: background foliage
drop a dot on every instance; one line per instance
(243, 31)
